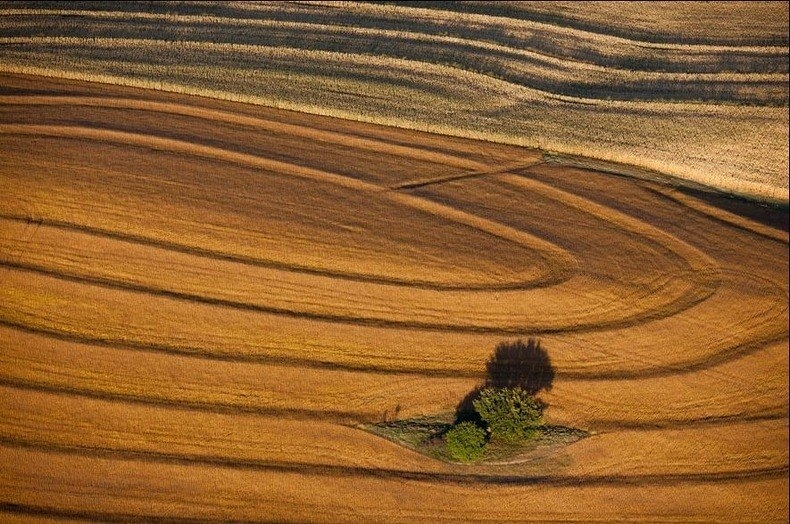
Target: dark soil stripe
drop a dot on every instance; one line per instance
(667, 310)
(418, 476)
(350, 418)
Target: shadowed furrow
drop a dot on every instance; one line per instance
(255, 490)
(275, 387)
(238, 206)
(52, 419)
(776, 472)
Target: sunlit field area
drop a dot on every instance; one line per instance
(257, 258)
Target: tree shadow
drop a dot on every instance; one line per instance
(513, 364)
(516, 364)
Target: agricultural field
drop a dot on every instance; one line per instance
(236, 238)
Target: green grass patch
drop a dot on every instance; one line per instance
(426, 435)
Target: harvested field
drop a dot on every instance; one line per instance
(201, 301)
(218, 269)
(692, 90)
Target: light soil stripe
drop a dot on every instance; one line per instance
(698, 261)
(343, 139)
(557, 260)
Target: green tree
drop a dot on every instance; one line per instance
(512, 414)
(466, 441)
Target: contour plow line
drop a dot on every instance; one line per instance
(15, 270)
(331, 137)
(723, 351)
(481, 224)
(771, 314)
(558, 264)
(775, 472)
(42, 417)
(721, 215)
(201, 255)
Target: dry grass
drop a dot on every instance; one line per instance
(705, 105)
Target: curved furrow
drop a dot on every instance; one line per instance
(260, 122)
(710, 333)
(345, 395)
(695, 334)
(525, 69)
(724, 216)
(548, 262)
(661, 296)
(367, 306)
(42, 419)
(774, 472)
(752, 384)
(508, 33)
(451, 363)
(353, 417)
(32, 224)
(118, 295)
(256, 490)
(253, 406)
(702, 354)
(276, 386)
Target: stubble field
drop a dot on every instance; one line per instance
(693, 90)
(202, 300)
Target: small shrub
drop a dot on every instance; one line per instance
(512, 414)
(466, 441)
